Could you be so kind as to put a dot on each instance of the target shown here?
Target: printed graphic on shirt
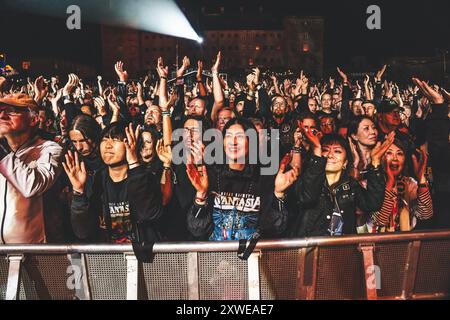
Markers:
(241, 202)
(120, 222)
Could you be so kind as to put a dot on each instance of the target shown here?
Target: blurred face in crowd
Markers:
(312, 105)
(236, 143)
(279, 107)
(240, 107)
(192, 132)
(42, 120)
(84, 146)
(326, 101)
(152, 115)
(223, 117)
(395, 159)
(369, 109)
(134, 111)
(391, 118)
(112, 150)
(336, 157)
(16, 120)
(367, 133)
(147, 147)
(336, 99)
(63, 122)
(357, 108)
(327, 125)
(405, 115)
(308, 123)
(196, 107)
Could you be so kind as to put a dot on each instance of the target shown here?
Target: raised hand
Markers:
(420, 164)
(58, 95)
(355, 153)
(298, 137)
(313, 137)
(184, 66)
(113, 105)
(380, 149)
(164, 153)
(163, 71)
(199, 179)
(215, 68)
(76, 171)
(380, 73)
(122, 74)
(131, 144)
(445, 93)
(170, 102)
(366, 80)
(285, 179)
(257, 74)
(331, 83)
(199, 70)
(432, 95)
(71, 85)
(197, 149)
(343, 75)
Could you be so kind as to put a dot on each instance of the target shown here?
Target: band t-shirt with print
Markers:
(119, 211)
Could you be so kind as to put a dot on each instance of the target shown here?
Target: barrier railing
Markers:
(387, 266)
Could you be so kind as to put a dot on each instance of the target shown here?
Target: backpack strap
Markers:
(245, 251)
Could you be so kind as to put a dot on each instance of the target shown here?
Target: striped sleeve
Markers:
(424, 210)
(381, 218)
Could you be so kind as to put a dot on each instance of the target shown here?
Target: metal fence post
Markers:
(132, 276)
(15, 263)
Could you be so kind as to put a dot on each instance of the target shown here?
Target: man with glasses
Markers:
(282, 120)
(29, 166)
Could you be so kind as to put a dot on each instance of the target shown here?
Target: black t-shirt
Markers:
(119, 215)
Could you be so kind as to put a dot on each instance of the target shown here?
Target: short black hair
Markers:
(115, 130)
(330, 139)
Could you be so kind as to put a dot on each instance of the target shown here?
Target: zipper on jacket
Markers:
(4, 211)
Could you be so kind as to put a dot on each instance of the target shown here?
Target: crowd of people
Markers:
(96, 162)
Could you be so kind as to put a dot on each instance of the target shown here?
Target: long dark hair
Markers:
(89, 129)
(153, 133)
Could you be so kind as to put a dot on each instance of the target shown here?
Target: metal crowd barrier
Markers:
(387, 266)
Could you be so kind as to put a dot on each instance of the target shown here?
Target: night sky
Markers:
(409, 28)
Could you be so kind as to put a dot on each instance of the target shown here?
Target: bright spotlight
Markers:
(200, 40)
(159, 16)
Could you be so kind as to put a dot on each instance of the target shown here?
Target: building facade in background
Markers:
(296, 43)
